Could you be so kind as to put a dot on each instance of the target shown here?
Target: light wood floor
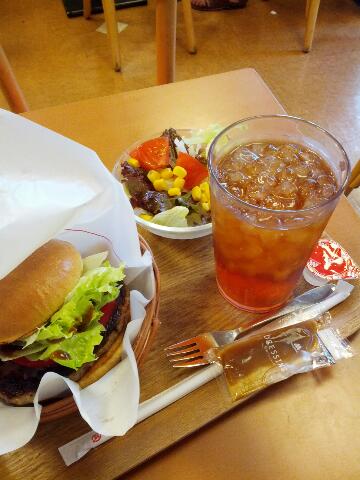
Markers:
(59, 60)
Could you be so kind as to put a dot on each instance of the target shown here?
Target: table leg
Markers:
(10, 87)
(165, 40)
(112, 31)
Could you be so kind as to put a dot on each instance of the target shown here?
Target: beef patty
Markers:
(18, 384)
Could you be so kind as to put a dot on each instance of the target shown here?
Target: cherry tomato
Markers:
(25, 362)
(107, 310)
(196, 171)
(153, 154)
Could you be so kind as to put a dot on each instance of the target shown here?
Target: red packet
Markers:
(330, 261)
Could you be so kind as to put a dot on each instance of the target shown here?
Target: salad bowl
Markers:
(171, 214)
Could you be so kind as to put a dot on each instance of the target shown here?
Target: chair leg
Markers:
(111, 25)
(10, 87)
(166, 40)
(87, 8)
(313, 9)
(307, 8)
(354, 181)
(189, 26)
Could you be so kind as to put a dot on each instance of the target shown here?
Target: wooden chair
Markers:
(10, 87)
(354, 181)
(311, 13)
(165, 34)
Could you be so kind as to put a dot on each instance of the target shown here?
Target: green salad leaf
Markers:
(175, 217)
(200, 139)
(197, 215)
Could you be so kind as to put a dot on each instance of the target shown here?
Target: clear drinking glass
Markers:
(260, 253)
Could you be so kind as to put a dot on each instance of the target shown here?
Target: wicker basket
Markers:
(65, 406)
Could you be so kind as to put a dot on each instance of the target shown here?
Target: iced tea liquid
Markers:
(262, 243)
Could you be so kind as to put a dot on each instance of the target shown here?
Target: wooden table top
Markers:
(302, 428)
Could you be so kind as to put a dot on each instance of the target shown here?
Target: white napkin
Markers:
(52, 187)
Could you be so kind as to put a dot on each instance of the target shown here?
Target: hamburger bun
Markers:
(36, 289)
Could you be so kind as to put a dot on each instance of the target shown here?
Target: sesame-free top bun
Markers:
(37, 288)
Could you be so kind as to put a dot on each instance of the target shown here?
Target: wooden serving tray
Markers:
(65, 406)
(190, 304)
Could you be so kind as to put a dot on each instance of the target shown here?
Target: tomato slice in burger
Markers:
(153, 154)
(107, 310)
(25, 362)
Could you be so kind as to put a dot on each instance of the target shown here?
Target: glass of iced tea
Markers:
(275, 181)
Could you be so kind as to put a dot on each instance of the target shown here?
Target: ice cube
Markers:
(328, 190)
(288, 174)
(307, 186)
(309, 158)
(238, 191)
(286, 189)
(257, 148)
(301, 170)
(289, 203)
(324, 179)
(289, 153)
(257, 197)
(266, 179)
(311, 200)
(239, 177)
(271, 163)
(273, 202)
(271, 148)
(243, 154)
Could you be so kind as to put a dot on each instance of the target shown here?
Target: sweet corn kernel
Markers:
(179, 171)
(205, 206)
(204, 198)
(196, 194)
(205, 188)
(166, 173)
(179, 183)
(153, 175)
(146, 216)
(174, 192)
(159, 184)
(133, 162)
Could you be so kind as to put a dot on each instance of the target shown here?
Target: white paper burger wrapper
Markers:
(52, 187)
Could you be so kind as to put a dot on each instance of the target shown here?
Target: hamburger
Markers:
(61, 314)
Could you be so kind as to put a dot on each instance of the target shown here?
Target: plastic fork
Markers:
(191, 352)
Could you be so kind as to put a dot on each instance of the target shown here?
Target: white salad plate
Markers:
(176, 233)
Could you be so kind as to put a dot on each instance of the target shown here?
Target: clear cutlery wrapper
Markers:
(261, 359)
(52, 187)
